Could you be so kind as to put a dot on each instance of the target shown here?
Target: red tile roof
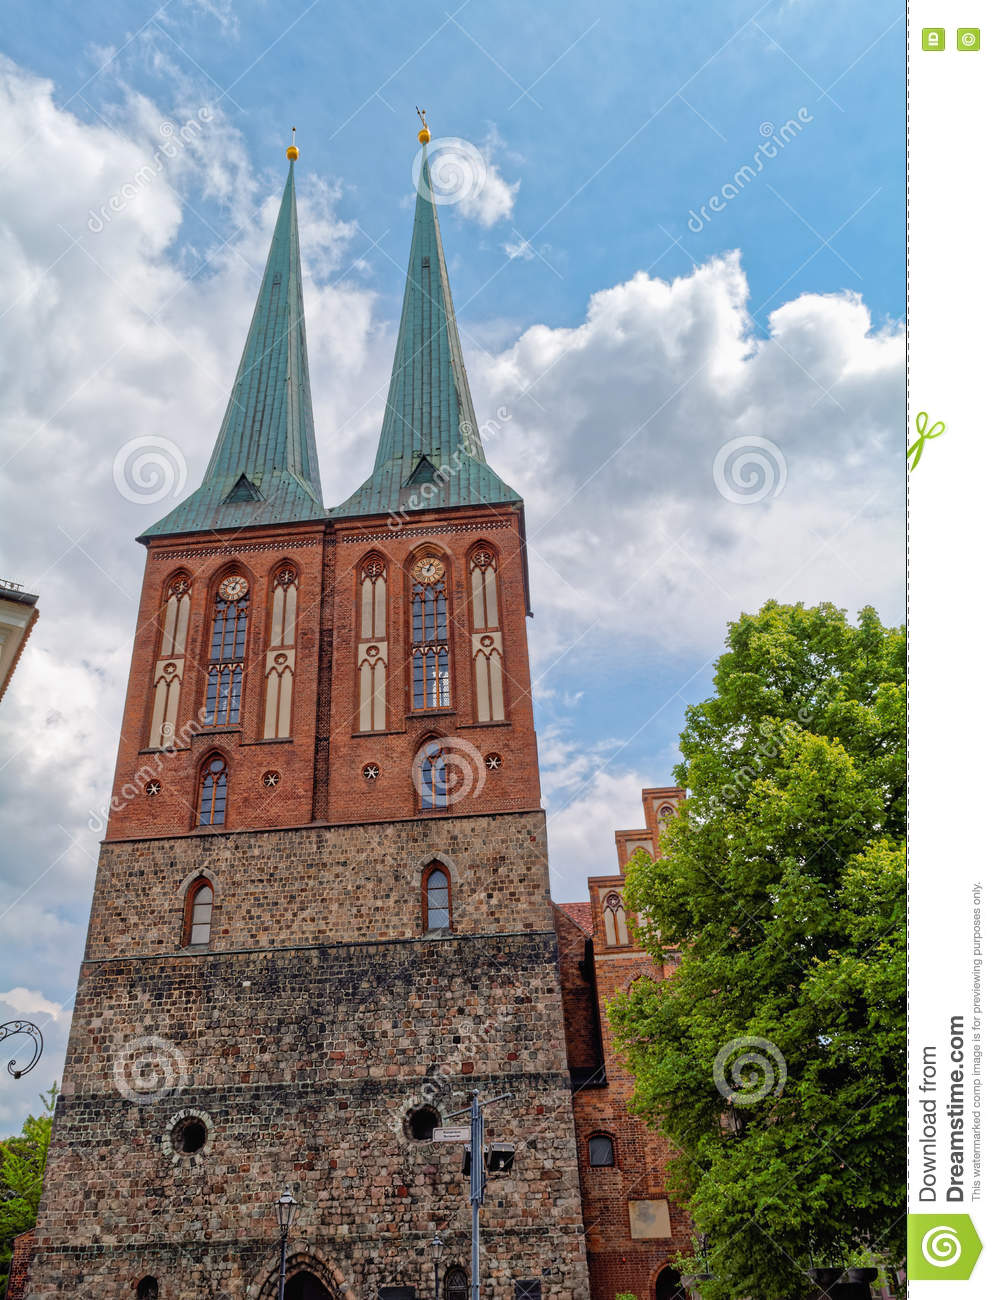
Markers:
(580, 914)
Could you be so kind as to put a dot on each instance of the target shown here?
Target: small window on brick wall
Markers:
(601, 1151)
(530, 1289)
(147, 1289)
(197, 913)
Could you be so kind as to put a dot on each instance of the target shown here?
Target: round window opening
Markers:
(189, 1136)
(421, 1122)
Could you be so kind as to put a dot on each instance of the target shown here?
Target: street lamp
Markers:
(286, 1206)
(436, 1247)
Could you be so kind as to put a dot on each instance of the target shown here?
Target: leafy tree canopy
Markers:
(774, 1056)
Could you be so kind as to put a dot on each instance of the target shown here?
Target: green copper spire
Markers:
(430, 453)
(264, 468)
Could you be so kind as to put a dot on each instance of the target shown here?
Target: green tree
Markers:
(774, 1056)
(22, 1163)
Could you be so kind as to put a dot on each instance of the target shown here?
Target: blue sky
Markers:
(633, 354)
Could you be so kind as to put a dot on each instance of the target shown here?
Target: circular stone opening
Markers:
(189, 1136)
(421, 1122)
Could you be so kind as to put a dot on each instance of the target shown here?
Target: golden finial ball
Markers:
(424, 136)
(293, 152)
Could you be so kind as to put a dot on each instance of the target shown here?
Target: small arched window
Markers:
(147, 1289)
(431, 767)
(227, 655)
(197, 917)
(455, 1286)
(437, 902)
(214, 793)
(601, 1151)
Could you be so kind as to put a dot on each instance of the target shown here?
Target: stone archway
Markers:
(308, 1278)
(305, 1286)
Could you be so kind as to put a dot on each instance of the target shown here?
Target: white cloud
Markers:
(29, 1002)
(616, 425)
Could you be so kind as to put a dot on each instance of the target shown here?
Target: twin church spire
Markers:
(264, 467)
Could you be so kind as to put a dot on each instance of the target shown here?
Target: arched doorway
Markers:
(305, 1286)
(668, 1286)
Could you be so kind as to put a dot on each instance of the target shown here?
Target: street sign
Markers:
(451, 1134)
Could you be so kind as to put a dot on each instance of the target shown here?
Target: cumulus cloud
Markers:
(681, 463)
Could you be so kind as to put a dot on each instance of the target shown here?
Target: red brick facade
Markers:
(595, 965)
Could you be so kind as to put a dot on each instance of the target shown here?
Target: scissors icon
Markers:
(935, 431)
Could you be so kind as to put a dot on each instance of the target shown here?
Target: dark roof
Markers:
(264, 468)
(430, 455)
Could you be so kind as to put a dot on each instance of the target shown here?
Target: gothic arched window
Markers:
(372, 645)
(197, 913)
(429, 635)
(486, 643)
(437, 901)
(455, 1287)
(614, 915)
(170, 661)
(430, 764)
(280, 655)
(228, 652)
(214, 793)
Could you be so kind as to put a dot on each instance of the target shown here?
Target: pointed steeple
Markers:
(264, 468)
(430, 453)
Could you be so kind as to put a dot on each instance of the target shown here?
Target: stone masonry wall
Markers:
(322, 885)
(304, 1064)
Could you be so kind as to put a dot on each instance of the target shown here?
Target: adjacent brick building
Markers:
(322, 911)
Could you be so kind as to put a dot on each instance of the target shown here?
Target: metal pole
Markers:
(435, 1266)
(477, 1181)
(283, 1263)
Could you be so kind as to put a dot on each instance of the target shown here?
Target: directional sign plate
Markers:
(451, 1134)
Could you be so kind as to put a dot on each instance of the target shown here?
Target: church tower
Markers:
(322, 912)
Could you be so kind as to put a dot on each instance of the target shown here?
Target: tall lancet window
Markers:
(213, 792)
(228, 652)
(168, 677)
(280, 655)
(614, 916)
(430, 644)
(371, 654)
(486, 647)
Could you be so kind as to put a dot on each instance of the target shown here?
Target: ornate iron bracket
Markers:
(34, 1033)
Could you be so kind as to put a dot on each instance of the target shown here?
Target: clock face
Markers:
(428, 571)
(233, 588)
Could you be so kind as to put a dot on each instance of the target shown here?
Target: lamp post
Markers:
(286, 1206)
(436, 1248)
